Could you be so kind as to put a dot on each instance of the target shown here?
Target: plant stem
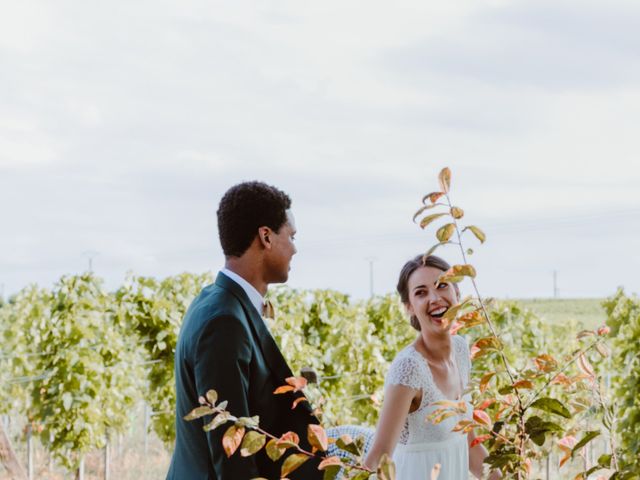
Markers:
(482, 305)
(562, 370)
(232, 418)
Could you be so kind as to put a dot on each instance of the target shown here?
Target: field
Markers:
(143, 457)
(586, 311)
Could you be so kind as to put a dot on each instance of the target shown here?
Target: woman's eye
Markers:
(443, 285)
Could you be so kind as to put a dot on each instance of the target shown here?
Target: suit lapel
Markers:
(270, 350)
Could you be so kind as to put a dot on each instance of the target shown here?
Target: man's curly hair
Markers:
(246, 207)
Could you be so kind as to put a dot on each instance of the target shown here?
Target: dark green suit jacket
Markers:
(225, 345)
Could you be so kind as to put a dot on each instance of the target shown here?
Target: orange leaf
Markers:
(604, 330)
(283, 389)
(433, 197)
(444, 177)
(486, 378)
(523, 384)
(479, 439)
(545, 363)
(288, 440)
(584, 366)
(317, 437)
(298, 383)
(561, 379)
(297, 401)
(461, 425)
(232, 439)
(482, 417)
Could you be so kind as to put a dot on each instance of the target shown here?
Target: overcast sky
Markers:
(123, 123)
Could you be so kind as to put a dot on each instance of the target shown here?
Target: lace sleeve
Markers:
(405, 370)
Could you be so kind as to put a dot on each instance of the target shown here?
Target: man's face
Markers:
(282, 250)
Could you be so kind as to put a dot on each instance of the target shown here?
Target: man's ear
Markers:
(264, 237)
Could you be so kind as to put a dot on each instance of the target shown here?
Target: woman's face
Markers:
(428, 301)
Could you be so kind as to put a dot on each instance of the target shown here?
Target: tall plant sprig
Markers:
(510, 452)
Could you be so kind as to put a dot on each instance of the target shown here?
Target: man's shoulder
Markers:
(213, 302)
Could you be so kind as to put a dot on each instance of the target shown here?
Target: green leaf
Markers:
(432, 249)
(212, 396)
(588, 436)
(551, 405)
(331, 472)
(457, 213)
(252, 422)
(218, 420)
(386, 468)
(445, 232)
(198, 412)
(292, 462)
(479, 234)
(252, 443)
(537, 428)
(347, 444)
(67, 400)
(422, 210)
(274, 451)
(430, 218)
(604, 460)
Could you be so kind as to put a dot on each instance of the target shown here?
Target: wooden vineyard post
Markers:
(8, 457)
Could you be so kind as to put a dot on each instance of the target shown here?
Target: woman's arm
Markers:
(477, 455)
(395, 408)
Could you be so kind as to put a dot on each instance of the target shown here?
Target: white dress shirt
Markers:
(254, 295)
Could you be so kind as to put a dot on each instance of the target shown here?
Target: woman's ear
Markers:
(409, 309)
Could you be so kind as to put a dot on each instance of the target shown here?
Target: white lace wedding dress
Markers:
(423, 444)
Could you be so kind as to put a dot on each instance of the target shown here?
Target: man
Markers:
(225, 345)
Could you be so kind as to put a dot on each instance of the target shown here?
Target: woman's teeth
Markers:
(438, 312)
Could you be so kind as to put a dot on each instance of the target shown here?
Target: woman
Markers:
(434, 367)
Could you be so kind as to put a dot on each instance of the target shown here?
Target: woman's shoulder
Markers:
(408, 355)
(406, 369)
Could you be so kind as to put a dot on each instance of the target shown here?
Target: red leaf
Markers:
(484, 405)
(479, 439)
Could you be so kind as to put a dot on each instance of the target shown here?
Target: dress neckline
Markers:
(431, 379)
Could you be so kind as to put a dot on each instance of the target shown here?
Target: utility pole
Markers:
(555, 284)
(90, 254)
(371, 260)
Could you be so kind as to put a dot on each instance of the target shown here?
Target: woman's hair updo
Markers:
(408, 269)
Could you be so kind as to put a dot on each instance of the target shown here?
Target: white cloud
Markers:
(123, 123)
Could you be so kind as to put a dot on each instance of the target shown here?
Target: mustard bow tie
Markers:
(267, 310)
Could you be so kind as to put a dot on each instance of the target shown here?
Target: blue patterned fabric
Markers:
(353, 431)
